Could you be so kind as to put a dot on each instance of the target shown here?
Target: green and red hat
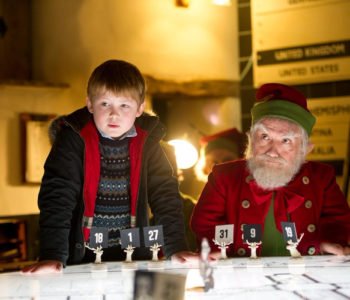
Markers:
(282, 101)
(231, 139)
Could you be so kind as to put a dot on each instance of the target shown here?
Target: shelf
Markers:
(32, 84)
(13, 244)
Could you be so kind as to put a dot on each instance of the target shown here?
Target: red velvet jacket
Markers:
(312, 200)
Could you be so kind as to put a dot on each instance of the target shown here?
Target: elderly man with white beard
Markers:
(275, 183)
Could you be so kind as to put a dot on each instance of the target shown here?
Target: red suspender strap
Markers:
(91, 172)
(135, 151)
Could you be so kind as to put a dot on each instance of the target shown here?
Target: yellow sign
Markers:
(331, 133)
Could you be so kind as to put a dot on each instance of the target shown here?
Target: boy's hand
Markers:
(44, 267)
(185, 256)
(335, 249)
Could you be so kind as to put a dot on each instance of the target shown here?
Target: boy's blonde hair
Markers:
(118, 77)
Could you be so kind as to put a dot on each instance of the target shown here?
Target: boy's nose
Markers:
(114, 112)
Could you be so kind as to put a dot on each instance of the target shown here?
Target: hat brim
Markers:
(286, 110)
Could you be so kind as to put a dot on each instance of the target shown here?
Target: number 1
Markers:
(130, 237)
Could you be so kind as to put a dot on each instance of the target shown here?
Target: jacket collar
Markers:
(285, 196)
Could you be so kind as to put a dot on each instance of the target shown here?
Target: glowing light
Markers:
(222, 2)
(186, 154)
(182, 3)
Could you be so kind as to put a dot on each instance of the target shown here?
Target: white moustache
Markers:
(264, 157)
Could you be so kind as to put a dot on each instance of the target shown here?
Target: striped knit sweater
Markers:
(112, 208)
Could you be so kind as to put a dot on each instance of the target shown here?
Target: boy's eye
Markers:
(105, 104)
(286, 141)
(125, 106)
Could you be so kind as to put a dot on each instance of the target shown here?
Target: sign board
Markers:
(99, 237)
(252, 233)
(330, 135)
(153, 235)
(130, 237)
(224, 233)
(306, 48)
(289, 232)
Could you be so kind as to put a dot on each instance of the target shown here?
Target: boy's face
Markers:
(114, 114)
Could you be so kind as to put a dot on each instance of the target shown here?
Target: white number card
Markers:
(130, 237)
(224, 233)
(153, 235)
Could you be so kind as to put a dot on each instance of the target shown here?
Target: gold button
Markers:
(311, 228)
(245, 203)
(306, 180)
(311, 250)
(241, 251)
(308, 203)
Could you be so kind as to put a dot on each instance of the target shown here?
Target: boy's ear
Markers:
(140, 109)
(89, 104)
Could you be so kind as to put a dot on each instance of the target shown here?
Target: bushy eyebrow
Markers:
(288, 135)
(260, 127)
(291, 135)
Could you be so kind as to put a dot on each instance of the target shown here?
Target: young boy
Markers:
(105, 168)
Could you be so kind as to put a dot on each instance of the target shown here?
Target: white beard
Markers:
(270, 177)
